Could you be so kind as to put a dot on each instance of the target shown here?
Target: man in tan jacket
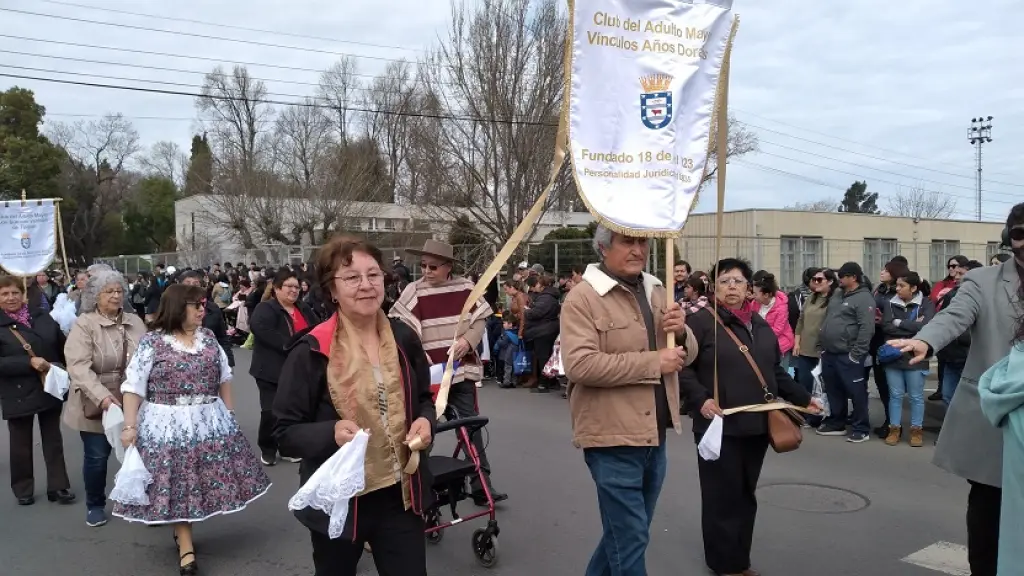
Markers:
(614, 326)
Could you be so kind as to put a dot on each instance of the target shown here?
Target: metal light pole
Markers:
(979, 133)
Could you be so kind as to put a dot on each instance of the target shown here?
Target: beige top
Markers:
(94, 352)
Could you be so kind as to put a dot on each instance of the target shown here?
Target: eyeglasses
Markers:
(198, 305)
(818, 279)
(113, 292)
(1017, 234)
(355, 280)
(431, 267)
(732, 282)
(951, 266)
(290, 286)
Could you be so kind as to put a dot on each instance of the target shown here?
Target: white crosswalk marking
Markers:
(942, 557)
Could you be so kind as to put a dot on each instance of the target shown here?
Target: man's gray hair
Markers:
(100, 279)
(602, 239)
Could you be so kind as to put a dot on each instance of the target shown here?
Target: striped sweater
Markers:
(433, 312)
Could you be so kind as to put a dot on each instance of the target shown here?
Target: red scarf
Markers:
(743, 313)
(21, 316)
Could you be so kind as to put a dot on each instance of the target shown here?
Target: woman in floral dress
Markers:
(177, 412)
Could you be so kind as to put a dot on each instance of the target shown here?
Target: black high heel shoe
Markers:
(190, 569)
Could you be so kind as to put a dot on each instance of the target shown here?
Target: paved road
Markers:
(902, 507)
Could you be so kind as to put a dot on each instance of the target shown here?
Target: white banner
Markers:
(642, 95)
(28, 237)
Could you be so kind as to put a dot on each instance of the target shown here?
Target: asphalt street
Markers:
(829, 508)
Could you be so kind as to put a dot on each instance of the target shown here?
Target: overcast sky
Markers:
(875, 90)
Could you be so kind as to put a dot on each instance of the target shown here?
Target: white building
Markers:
(197, 227)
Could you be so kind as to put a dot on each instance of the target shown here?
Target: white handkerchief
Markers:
(331, 487)
(710, 446)
(57, 383)
(132, 480)
(113, 423)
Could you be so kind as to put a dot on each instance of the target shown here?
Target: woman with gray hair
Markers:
(98, 349)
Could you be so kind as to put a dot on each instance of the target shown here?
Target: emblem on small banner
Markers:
(656, 101)
(26, 240)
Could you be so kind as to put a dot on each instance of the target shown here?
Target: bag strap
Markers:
(768, 396)
(124, 347)
(24, 343)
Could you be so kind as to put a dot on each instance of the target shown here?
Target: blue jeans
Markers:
(628, 480)
(906, 383)
(845, 380)
(950, 379)
(94, 468)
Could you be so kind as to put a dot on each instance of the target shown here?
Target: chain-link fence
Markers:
(786, 257)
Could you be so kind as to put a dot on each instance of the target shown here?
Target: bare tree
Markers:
(741, 140)
(498, 78)
(916, 202)
(246, 198)
(338, 88)
(94, 177)
(819, 205)
(388, 104)
(167, 160)
(302, 145)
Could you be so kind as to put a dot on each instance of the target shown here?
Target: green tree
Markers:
(573, 248)
(858, 200)
(28, 160)
(149, 217)
(199, 177)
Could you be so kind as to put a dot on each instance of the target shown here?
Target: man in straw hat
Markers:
(431, 306)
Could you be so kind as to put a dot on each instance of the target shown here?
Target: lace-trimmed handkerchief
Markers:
(335, 483)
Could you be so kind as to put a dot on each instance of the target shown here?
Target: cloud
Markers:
(826, 85)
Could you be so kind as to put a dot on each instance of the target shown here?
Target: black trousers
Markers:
(395, 535)
(728, 502)
(22, 476)
(542, 348)
(265, 437)
(462, 404)
(983, 505)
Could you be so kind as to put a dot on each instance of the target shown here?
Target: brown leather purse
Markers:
(784, 432)
(90, 409)
(28, 349)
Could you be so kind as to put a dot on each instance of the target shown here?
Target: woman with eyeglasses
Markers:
(739, 363)
(178, 415)
(805, 338)
(274, 324)
(99, 347)
(360, 370)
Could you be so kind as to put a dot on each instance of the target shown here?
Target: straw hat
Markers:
(436, 249)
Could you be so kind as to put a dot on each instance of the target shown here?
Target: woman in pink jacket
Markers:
(773, 305)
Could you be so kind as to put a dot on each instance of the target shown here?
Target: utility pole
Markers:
(979, 133)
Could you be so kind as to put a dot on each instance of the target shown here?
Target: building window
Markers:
(797, 253)
(877, 253)
(941, 252)
(991, 250)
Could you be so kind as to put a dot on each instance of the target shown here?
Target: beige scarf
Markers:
(353, 389)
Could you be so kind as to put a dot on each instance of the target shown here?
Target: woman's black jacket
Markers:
(737, 382)
(21, 390)
(542, 315)
(306, 416)
(273, 332)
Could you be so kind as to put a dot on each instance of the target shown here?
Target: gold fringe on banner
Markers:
(617, 228)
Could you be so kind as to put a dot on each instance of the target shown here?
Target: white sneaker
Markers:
(480, 384)
(290, 459)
